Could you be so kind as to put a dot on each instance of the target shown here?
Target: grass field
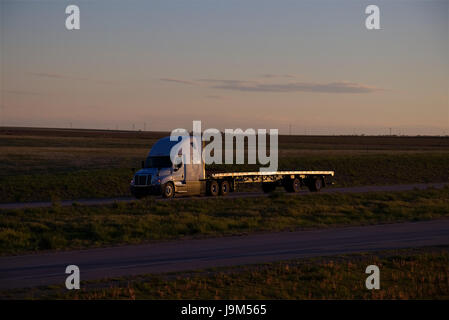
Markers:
(77, 226)
(404, 274)
(51, 164)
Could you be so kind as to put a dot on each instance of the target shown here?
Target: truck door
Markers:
(179, 177)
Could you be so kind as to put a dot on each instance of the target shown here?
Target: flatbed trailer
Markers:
(292, 181)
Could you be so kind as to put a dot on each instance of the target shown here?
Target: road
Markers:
(105, 201)
(182, 255)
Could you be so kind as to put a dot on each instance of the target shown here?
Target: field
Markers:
(52, 164)
(56, 164)
(405, 274)
(62, 228)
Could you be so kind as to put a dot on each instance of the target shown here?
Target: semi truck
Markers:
(160, 176)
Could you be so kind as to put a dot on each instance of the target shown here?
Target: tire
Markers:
(168, 190)
(224, 188)
(268, 187)
(292, 185)
(315, 185)
(296, 185)
(213, 188)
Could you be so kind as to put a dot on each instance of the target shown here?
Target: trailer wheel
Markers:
(268, 187)
(315, 185)
(224, 188)
(292, 185)
(168, 190)
(296, 185)
(214, 188)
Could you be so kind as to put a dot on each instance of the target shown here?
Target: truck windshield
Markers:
(158, 162)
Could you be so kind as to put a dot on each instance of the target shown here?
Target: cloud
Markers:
(272, 84)
(332, 87)
(69, 77)
(178, 81)
(271, 75)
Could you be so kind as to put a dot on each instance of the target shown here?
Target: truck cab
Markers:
(160, 176)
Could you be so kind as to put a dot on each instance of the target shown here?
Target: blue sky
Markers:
(259, 64)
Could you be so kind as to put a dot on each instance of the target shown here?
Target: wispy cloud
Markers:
(272, 75)
(178, 81)
(68, 77)
(332, 87)
(271, 83)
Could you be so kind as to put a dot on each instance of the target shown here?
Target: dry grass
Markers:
(404, 274)
(74, 227)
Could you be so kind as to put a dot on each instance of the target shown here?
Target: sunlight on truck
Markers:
(159, 176)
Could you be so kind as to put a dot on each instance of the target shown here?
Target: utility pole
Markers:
(144, 126)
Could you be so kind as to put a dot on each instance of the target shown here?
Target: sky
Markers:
(305, 67)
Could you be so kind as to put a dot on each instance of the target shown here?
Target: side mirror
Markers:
(143, 164)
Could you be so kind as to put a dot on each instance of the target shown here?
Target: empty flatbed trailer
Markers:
(292, 181)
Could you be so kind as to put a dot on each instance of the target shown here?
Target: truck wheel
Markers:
(214, 188)
(315, 185)
(268, 187)
(293, 185)
(168, 190)
(296, 185)
(224, 188)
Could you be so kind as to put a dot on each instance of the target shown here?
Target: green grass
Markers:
(77, 226)
(404, 274)
(351, 170)
(95, 183)
(38, 164)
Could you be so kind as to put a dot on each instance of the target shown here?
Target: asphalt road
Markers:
(183, 255)
(104, 201)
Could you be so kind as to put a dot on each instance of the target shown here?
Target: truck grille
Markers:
(141, 180)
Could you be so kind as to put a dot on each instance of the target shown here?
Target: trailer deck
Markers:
(272, 173)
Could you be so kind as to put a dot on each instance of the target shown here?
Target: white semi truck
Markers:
(159, 176)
